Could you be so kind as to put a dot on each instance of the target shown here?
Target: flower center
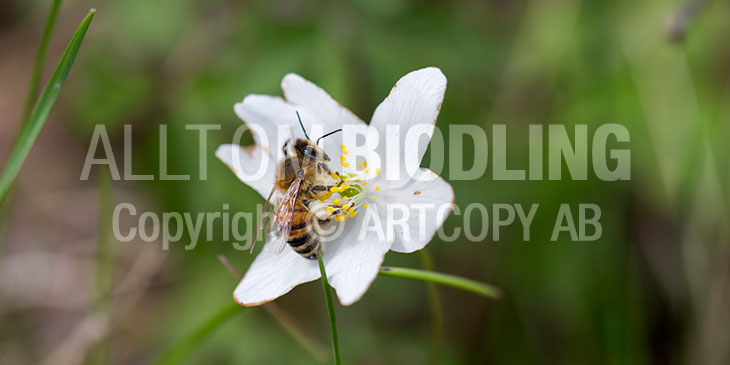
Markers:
(350, 192)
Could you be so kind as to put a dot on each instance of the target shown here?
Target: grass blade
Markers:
(33, 86)
(39, 114)
(177, 353)
(40, 59)
(469, 285)
(105, 259)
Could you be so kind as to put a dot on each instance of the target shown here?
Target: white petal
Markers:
(412, 105)
(353, 262)
(428, 202)
(303, 93)
(272, 275)
(252, 165)
(272, 121)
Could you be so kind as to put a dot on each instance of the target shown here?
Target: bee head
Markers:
(308, 149)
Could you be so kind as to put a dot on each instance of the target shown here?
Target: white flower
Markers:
(352, 259)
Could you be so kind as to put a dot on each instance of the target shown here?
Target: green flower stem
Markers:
(469, 285)
(330, 310)
(40, 59)
(437, 318)
(39, 114)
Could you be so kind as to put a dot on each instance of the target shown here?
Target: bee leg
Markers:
(324, 169)
(328, 187)
(319, 189)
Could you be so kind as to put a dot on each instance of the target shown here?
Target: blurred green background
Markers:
(654, 289)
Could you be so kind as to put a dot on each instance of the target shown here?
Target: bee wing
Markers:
(284, 214)
(277, 244)
(265, 217)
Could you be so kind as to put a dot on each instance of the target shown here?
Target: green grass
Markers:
(40, 60)
(178, 352)
(39, 114)
(456, 282)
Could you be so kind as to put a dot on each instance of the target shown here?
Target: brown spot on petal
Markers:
(249, 149)
(417, 192)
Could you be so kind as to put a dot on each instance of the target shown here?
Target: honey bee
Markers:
(297, 196)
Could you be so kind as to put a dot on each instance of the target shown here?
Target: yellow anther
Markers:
(342, 146)
(344, 187)
(377, 188)
(345, 164)
(330, 210)
(367, 171)
(344, 197)
(335, 189)
(359, 165)
(365, 164)
(352, 213)
(366, 205)
(334, 176)
(345, 152)
(364, 183)
(373, 197)
(346, 206)
(377, 171)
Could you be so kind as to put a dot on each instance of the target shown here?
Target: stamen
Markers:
(351, 189)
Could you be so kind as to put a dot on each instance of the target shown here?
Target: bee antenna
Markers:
(302, 125)
(330, 133)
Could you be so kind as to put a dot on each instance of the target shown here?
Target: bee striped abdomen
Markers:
(303, 237)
